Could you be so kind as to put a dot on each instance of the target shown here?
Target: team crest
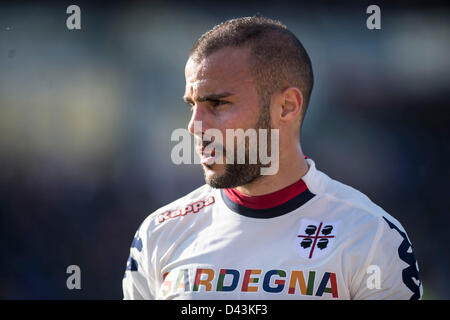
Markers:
(315, 238)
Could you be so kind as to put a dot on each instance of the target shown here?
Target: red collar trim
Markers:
(268, 200)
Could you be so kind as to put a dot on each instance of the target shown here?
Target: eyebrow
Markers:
(209, 97)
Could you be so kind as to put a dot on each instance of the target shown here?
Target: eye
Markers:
(216, 103)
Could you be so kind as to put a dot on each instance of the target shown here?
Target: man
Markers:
(295, 234)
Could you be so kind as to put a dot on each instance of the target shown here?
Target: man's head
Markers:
(233, 73)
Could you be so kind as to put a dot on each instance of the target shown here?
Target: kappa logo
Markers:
(189, 209)
(315, 238)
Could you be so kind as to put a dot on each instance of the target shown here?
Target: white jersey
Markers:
(329, 242)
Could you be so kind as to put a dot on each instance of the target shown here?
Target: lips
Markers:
(207, 156)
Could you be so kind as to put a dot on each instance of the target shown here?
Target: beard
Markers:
(236, 174)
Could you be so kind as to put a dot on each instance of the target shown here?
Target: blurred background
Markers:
(86, 118)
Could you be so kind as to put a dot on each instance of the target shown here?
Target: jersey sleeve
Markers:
(136, 283)
(391, 271)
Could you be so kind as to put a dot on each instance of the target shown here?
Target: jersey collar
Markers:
(269, 205)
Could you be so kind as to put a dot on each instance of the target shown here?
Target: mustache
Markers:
(203, 142)
(209, 147)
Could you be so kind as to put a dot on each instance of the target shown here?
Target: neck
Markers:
(292, 168)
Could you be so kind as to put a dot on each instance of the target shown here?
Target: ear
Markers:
(291, 104)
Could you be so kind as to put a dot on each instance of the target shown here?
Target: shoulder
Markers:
(339, 193)
(171, 218)
(189, 204)
(354, 205)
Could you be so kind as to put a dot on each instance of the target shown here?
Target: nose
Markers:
(198, 123)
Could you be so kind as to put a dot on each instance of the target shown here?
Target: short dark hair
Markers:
(278, 59)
